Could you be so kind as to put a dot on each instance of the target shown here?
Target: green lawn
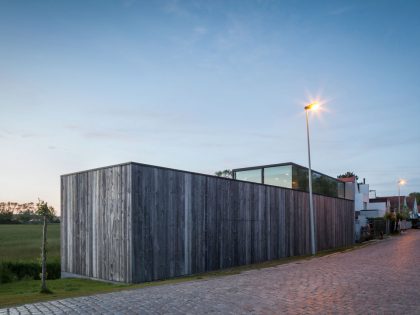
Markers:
(23, 242)
(27, 291)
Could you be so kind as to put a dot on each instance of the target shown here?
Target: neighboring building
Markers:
(390, 203)
(293, 176)
(362, 211)
(372, 194)
(378, 208)
(395, 203)
(359, 192)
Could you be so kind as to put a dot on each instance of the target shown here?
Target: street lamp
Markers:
(400, 183)
(312, 106)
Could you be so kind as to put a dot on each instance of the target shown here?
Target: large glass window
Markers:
(278, 176)
(295, 177)
(324, 185)
(340, 189)
(321, 184)
(300, 178)
(254, 176)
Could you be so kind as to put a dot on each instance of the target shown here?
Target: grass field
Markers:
(27, 291)
(23, 242)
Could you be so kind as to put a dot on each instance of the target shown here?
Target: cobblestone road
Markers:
(381, 278)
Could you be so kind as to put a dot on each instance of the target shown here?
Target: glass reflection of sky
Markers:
(295, 177)
(278, 176)
(254, 176)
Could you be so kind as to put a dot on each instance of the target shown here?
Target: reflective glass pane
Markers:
(340, 189)
(321, 184)
(250, 176)
(278, 176)
(300, 178)
(324, 185)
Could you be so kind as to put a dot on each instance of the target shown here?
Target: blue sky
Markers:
(207, 85)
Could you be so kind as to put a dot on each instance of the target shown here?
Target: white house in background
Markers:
(367, 205)
(359, 192)
(391, 203)
(377, 209)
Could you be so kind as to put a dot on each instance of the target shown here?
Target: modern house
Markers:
(134, 222)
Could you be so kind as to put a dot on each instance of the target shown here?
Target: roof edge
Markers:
(97, 169)
(194, 173)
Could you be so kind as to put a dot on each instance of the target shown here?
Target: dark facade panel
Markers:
(137, 223)
(96, 224)
(190, 223)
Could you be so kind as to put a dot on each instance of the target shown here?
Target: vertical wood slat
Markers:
(137, 223)
(96, 219)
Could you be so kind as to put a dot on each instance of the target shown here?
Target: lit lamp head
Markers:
(312, 106)
(402, 182)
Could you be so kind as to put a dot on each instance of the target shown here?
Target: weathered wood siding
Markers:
(136, 223)
(185, 223)
(96, 223)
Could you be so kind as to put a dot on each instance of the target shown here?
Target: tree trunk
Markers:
(44, 257)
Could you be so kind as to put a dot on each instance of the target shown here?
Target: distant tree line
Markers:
(7, 216)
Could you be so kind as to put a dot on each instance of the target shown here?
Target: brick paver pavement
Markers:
(382, 278)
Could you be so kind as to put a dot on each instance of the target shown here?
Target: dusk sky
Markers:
(205, 86)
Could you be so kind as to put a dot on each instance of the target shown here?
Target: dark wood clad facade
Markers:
(136, 223)
(96, 223)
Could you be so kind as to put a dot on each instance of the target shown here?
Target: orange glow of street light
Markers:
(312, 106)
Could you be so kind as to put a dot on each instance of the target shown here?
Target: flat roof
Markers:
(195, 173)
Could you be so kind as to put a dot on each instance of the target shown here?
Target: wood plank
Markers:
(136, 223)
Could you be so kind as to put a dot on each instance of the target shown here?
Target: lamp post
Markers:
(312, 106)
(400, 183)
